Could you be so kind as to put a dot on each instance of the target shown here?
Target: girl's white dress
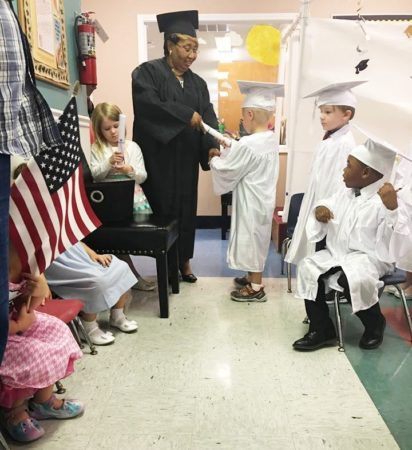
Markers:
(74, 275)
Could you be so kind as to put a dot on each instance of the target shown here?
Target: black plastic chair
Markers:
(395, 279)
(294, 208)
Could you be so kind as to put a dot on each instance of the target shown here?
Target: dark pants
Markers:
(318, 310)
(4, 250)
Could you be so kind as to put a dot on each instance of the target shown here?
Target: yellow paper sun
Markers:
(263, 44)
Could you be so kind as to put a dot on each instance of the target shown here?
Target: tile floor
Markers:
(220, 374)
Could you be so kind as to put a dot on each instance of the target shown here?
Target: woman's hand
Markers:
(117, 158)
(323, 214)
(213, 152)
(196, 122)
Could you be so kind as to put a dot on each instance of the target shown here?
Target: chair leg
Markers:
(73, 329)
(283, 251)
(80, 326)
(59, 387)
(405, 307)
(224, 222)
(341, 347)
(173, 260)
(289, 273)
(162, 284)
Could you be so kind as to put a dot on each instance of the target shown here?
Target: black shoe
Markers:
(314, 340)
(373, 338)
(241, 281)
(189, 278)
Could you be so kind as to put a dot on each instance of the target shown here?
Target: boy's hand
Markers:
(323, 214)
(388, 196)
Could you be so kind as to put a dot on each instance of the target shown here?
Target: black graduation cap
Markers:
(362, 65)
(183, 22)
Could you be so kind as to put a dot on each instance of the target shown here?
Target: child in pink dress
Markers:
(40, 351)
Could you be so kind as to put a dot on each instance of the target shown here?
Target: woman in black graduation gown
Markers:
(169, 102)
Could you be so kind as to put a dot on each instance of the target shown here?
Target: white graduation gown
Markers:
(400, 245)
(325, 179)
(250, 169)
(351, 244)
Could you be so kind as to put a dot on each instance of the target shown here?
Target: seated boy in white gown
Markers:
(250, 169)
(351, 220)
(400, 246)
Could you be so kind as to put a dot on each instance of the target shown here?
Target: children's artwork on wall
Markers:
(43, 23)
(263, 44)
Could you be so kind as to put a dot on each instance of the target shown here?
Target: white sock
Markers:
(256, 287)
(117, 314)
(89, 326)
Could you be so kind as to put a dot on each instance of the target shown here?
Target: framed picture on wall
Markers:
(43, 23)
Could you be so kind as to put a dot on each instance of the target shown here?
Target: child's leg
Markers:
(118, 318)
(20, 426)
(45, 405)
(255, 278)
(96, 334)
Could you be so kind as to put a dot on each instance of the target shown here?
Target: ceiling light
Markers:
(224, 94)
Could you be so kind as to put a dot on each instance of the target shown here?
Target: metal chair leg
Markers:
(405, 307)
(60, 389)
(341, 347)
(289, 274)
(80, 326)
(73, 329)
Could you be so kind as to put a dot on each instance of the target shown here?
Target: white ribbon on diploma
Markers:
(217, 135)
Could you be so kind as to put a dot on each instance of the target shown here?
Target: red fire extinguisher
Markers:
(86, 48)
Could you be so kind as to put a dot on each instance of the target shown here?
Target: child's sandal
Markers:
(68, 410)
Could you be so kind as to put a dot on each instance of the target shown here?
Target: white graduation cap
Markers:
(260, 95)
(336, 94)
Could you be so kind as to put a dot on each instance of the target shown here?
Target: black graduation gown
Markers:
(172, 150)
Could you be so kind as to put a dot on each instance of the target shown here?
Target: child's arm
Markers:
(103, 260)
(101, 163)
(36, 289)
(23, 322)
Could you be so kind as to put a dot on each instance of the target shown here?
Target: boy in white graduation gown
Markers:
(351, 220)
(336, 103)
(400, 245)
(250, 170)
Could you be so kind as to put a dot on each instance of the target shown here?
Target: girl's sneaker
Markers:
(28, 430)
(68, 410)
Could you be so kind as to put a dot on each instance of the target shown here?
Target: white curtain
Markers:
(384, 103)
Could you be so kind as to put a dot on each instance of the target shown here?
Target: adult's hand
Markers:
(196, 122)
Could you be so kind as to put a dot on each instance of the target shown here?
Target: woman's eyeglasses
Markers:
(188, 49)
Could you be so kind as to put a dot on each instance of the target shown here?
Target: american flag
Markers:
(49, 209)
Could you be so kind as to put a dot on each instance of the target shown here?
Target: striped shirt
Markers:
(26, 122)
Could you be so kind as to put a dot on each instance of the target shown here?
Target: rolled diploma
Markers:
(216, 134)
(122, 132)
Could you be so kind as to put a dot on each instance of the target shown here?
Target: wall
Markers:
(119, 55)
(57, 97)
